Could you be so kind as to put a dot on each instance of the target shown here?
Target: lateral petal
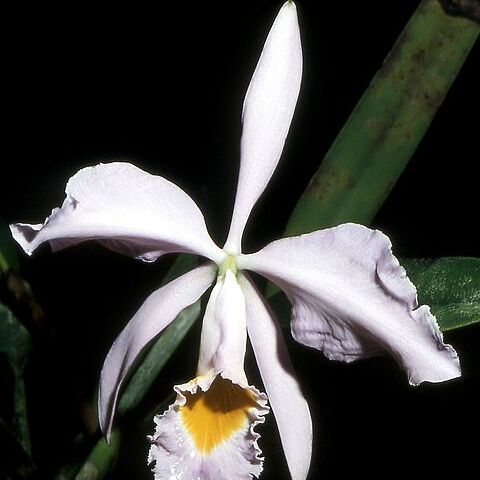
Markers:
(267, 113)
(286, 399)
(128, 210)
(208, 432)
(351, 298)
(156, 313)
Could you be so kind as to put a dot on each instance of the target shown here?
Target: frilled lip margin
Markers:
(209, 431)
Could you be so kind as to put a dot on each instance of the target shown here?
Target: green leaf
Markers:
(8, 255)
(450, 285)
(163, 348)
(386, 126)
(15, 341)
(16, 344)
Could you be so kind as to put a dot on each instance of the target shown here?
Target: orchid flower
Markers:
(350, 297)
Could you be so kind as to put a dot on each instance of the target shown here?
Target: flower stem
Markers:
(20, 416)
(101, 458)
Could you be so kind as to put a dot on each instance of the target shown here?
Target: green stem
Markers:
(101, 458)
(20, 415)
(3, 264)
(8, 255)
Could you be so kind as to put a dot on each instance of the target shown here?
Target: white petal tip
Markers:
(440, 361)
(102, 421)
(449, 370)
(106, 429)
(24, 234)
(289, 8)
(289, 4)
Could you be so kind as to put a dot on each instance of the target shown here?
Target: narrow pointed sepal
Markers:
(267, 114)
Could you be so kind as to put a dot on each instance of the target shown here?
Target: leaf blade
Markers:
(385, 128)
(450, 285)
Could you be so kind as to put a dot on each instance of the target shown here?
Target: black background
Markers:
(162, 87)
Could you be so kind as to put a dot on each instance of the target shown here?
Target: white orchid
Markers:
(350, 297)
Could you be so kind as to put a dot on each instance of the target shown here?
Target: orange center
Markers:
(213, 416)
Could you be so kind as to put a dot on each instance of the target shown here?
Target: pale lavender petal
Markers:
(285, 397)
(156, 313)
(176, 455)
(351, 298)
(267, 113)
(126, 209)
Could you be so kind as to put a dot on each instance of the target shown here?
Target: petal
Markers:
(126, 209)
(286, 399)
(351, 298)
(156, 313)
(208, 432)
(224, 331)
(267, 113)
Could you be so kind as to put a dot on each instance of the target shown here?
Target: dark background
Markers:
(162, 87)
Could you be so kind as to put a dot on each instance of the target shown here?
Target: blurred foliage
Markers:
(8, 255)
(15, 341)
(16, 344)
